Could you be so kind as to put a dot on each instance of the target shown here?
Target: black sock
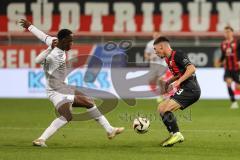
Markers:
(170, 122)
(231, 94)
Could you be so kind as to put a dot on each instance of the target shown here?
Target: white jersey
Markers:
(55, 69)
(53, 61)
(153, 56)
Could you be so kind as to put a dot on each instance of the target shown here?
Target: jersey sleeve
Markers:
(41, 35)
(238, 50)
(42, 56)
(222, 54)
(182, 60)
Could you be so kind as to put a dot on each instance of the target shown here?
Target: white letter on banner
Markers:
(21, 62)
(15, 12)
(124, 14)
(199, 15)
(11, 58)
(228, 15)
(1, 58)
(97, 10)
(42, 14)
(70, 16)
(33, 55)
(171, 16)
(147, 9)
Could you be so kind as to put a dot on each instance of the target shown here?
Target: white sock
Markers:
(97, 115)
(54, 126)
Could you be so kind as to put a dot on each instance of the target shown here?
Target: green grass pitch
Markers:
(211, 130)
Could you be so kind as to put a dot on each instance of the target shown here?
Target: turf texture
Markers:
(210, 128)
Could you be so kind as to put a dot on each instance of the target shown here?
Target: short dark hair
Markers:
(160, 39)
(228, 27)
(63, 33)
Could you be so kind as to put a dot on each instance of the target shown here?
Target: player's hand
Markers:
(176, 84)
(25, 23)
(162, 86)
(54, 43)
(169, 87)
(165, 86)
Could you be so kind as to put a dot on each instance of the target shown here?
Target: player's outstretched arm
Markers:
(42, 56)
(38, 33)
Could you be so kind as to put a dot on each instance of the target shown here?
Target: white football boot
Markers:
(39, 143)
(115, 132)
(234, 105)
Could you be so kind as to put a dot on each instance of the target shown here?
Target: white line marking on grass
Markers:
(127, 130)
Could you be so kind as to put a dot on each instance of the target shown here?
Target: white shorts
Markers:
(59, 99)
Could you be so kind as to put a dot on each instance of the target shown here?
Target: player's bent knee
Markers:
(228, 82)
(64, 111)
(169, 107)
(89, 102)
(166, 109)
(83, 101)
(161, 109)
(68, 117)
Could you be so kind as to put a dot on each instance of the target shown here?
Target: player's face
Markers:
(67, 42)
(228, 34)
(160, 49)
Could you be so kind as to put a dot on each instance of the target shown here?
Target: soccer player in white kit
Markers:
(53, 60)
(155, 61)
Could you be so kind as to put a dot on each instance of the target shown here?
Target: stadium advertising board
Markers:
(30, 83)
(22, 56)
(122, 16)
(21, 77)
(17, 56)
(199, 56)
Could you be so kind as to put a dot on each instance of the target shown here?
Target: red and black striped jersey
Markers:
(231, 54)
(177, 63)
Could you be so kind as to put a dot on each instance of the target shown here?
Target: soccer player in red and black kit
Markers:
(184, 79)
(230, 48)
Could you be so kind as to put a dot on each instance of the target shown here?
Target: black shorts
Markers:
(187, 94)
(235, 75)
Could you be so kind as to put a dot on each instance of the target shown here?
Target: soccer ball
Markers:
(141, 125)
